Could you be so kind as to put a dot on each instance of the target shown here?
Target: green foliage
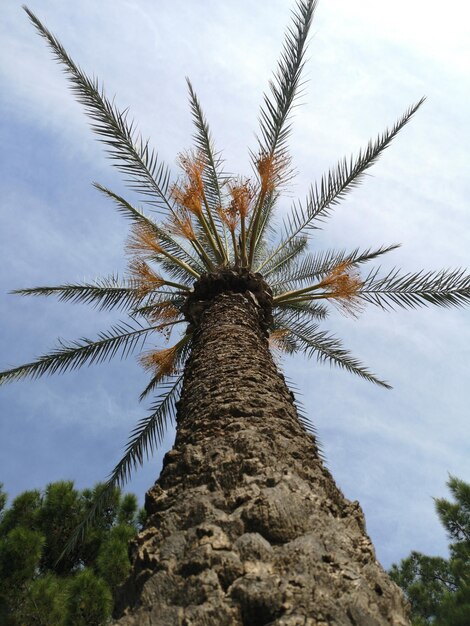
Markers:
(44, 602)
(38, 587)
(3, 500)
(113, 561)
(59, 513)
(127, 509)
(23, 511)
(455, 608)
(89, 600)
(425, 580)
(438, 589)
(455, 516)
(20, 554)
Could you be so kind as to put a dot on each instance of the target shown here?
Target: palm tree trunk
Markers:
(246, 526)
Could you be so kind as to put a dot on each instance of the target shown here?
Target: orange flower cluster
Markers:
(147, 280)
(242, 195)
(343, 284)
(271, 169)
(160, 362)
(164, 312)
(190, 193)
(181, 224)
(143, 241)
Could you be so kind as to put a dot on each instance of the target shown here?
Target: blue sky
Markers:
(368, 61)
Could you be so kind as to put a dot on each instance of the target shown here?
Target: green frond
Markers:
(356, 257)
(105, 293)
(175, 248)
(314, 266)
(284, 260)
(310, 266)
(175, 270)
(213, 176)
(149, 432)
(207, 243)
(265, 228)
(121, 340)
(335, 185)
(104, 499)
(293, 311)
(128, 210)
(328, 348)
(130, 153)
(441, 288)
(274, 115)
(190, 196)
(348, 174)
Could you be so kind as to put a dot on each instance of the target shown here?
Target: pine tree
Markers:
(438, 589)
(38, 587)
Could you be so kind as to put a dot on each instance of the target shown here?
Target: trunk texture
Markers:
(246, 526)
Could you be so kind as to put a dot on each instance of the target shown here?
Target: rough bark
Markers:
(246, 526)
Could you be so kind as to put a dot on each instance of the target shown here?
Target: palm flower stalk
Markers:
(203, 233)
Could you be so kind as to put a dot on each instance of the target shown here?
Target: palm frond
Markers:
(144, 244)
(314, 266)
(214, 178)
(145, 437)
(122, 339)
(335, 185)
(328, 348)
(272, 161)
(441, 288)
(283, 261)
(149, 432)
(286, 312)
(147, 282)
(105, 498)
(274, 115)
(105, 293)
(309, 267)
(127, 209)
(130, 153)
(265, 229)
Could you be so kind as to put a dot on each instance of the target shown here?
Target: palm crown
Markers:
(213, 232)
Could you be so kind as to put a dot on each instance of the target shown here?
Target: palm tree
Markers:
(246, 525)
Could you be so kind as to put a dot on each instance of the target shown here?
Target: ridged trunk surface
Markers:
(246, 526)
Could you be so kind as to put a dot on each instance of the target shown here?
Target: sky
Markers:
(367, 62)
